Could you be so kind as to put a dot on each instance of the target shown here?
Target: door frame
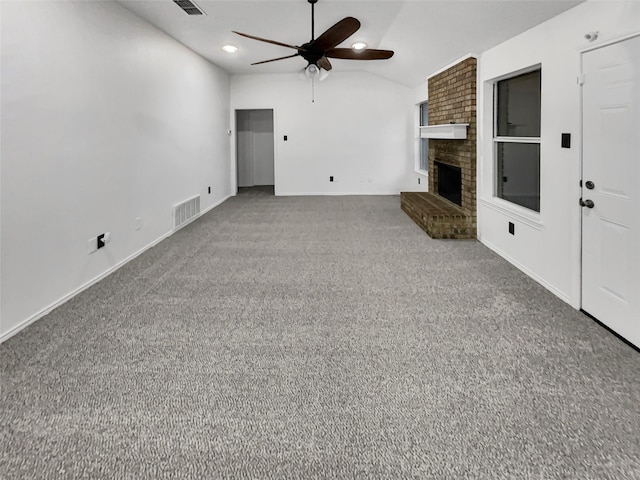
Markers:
(234, 146)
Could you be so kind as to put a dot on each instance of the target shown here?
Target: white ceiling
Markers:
(426, 35)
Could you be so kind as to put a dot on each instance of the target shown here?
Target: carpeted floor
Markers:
(302, 338)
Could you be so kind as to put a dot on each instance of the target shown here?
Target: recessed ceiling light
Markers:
(230, 48)
(359, 46)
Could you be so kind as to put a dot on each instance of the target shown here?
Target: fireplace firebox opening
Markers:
(450, 182)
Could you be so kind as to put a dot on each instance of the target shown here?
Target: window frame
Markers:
(420, 141)
(496, 140)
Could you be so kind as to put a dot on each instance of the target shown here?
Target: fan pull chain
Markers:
(313, 90)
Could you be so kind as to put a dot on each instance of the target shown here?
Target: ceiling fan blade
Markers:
(368, 54)
(269, 41)
(324, 63)
(337, 34)
(276, 59)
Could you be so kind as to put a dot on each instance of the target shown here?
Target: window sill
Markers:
(512, 210)
(421, 172)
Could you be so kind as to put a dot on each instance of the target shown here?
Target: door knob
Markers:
(587, 203)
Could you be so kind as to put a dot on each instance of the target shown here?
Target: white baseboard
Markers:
(218, 203)
(332, 194)
(558, 293)
(48, 309)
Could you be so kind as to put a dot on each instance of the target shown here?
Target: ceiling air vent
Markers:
(189, 7)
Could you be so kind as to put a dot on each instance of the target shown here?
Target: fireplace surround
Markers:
(448, 209)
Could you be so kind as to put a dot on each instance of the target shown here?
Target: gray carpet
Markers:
(281, 337)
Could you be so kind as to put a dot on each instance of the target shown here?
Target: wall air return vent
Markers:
(189, 7)
(186, 211)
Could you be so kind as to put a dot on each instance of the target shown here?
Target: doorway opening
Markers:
(255, 151)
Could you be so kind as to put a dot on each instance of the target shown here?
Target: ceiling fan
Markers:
(318, 51)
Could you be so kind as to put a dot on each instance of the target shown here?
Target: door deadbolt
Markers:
(587, 203)
(590, 185)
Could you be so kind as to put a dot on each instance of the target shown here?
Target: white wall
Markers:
(546, 246)
(104, 119)
(359, 130)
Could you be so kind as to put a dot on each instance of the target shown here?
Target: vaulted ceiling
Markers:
(425, 34)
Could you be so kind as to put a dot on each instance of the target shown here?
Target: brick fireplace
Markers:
(449, 211)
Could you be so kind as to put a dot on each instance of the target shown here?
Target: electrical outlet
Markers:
(101, 242)
(512, 228)
(331, 178)
(209, 191)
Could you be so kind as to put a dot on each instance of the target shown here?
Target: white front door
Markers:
(611, 187)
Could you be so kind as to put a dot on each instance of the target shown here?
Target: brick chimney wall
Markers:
(452, 98)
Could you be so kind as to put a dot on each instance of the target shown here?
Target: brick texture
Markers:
(438, 217)
(452, 98)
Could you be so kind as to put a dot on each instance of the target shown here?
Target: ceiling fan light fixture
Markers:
(312, 71)
(318, 51)
(230, 48)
